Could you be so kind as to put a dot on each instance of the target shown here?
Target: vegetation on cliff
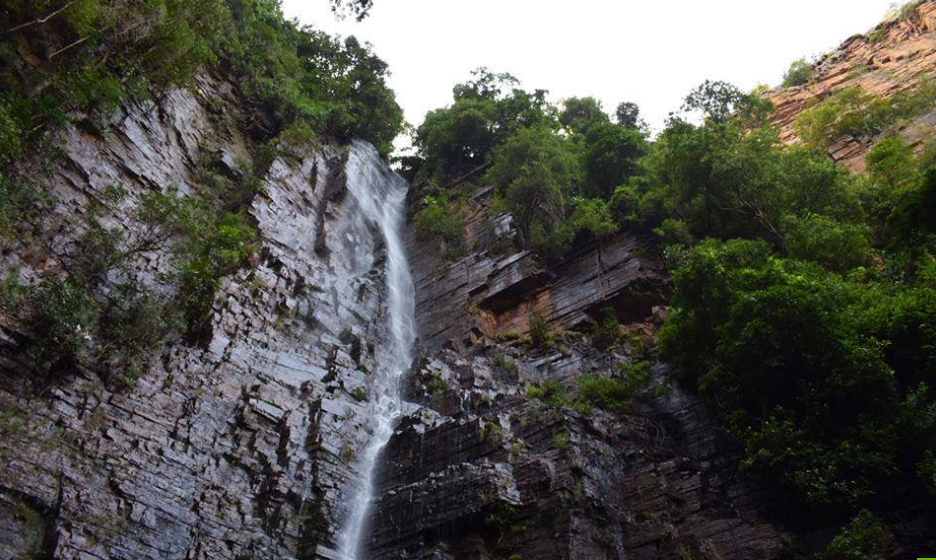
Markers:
(805, 296)
(74, 62)
(554, 167)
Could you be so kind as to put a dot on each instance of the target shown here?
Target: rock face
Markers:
(241, 449)
(495, 289)
(481, 470)
(244, 447)
(893, 57)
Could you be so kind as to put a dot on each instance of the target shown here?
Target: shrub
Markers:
(615, 394)
(539, 331)
(594, 217)
(800, 72)
(865, 538)
(549, 391)
(853, 112)
(606, 394)
(440, 219)
(133, 324)
(606, 332)
(208, 246)
(491, 432)
(63, 316)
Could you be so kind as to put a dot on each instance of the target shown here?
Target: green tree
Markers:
(610, 157)
(537, 170)
(579, 114)
(627, 115)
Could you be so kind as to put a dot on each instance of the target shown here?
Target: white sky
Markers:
(649, 52)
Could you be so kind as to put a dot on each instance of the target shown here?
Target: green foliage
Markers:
(725, 180)
(794, 359)
(563, 440)
(627, 115)
(926, 470)
(299, 74)
(799, 73)
(721, 102)
(610, 157)
(616, 394)
(865, 538)
(210, 244)
(606, 332)
(536, 169)
(833, 244)
(580, 114)
(539, 331)
(92, 54)
(442, 219)
(133, 324)
(78, 60)
(853, 112)
(63, 316)
(359, 394)
(594, 217)
(548, 391)
(491, 432)
(487, 110)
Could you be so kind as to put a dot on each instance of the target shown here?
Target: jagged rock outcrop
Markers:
(240, 449)
(495, 289)
(893, 57)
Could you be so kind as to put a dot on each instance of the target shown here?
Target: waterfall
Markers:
(381, 196)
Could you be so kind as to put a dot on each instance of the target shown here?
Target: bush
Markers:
(539, 331)
(550, 392)
(606, 332)
(63, 317)
(208, 246)
(133, 325)
(799, 73)
(594, 217)
(618, 394)
(853, 112)
(865, 538)
(440, 219)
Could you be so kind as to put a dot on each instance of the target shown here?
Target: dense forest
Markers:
(804, 295)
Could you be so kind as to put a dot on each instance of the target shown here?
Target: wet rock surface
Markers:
(235, 450)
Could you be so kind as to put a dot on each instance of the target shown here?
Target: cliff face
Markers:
(245, 446)
(893, 57)
(483, 470)
(241, 449)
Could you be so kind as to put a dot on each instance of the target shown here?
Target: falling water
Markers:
(381, 195)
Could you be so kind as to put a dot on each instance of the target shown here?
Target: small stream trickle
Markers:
(381, 196)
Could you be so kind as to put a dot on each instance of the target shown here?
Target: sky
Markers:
(650, 52)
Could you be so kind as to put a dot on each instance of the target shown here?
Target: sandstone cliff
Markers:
(892, 57)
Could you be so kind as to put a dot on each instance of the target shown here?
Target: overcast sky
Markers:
(651, 52)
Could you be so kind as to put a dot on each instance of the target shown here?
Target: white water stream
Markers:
(381, 196)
